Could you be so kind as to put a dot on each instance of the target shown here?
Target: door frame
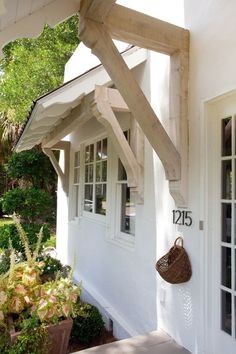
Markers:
(214, 108)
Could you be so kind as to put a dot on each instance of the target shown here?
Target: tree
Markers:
(30, 68)
(31, 168)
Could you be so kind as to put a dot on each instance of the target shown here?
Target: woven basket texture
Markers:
(174, 267)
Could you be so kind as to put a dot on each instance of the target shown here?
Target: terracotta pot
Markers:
(58, 334)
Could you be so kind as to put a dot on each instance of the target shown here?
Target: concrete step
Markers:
(157, 342)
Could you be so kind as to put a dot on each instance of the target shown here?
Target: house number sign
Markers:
(182, 217)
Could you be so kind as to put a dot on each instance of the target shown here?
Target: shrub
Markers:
(9, 232)
(25, 166)
(30, 203)
(88, 325)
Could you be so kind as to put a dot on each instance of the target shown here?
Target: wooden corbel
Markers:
(136, 28)
(62, 174)
(106, 101)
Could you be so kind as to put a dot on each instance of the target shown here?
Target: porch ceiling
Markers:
(26, 18)
(52, 114)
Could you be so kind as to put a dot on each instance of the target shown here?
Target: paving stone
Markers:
(157, 342)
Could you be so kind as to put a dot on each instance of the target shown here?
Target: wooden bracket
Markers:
(62, 174)
(136, 28)
(106, 101)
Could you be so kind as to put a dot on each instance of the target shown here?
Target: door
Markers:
(221, 232)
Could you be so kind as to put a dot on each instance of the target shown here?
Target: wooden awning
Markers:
(102, 20)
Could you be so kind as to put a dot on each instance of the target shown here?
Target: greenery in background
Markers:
(32, 167)
(31, 204)
(30, 68)
(9, 232)
(88, 325)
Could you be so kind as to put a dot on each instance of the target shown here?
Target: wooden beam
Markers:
(178, 107)
(95, 36)
(77, 117)
(55, 164)
(102, 110)
(63, 175)
(98, 9)
(139, 29)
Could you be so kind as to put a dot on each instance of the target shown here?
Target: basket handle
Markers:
(181, 241)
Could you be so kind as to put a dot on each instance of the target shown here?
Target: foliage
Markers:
(88, 325)
(51, 265)
(5, 221)
(51, 242)
(4, 262)
(32, 166)
(32, 67)
(30, 204)
(21, 290)
(31, 341)
(9, 232)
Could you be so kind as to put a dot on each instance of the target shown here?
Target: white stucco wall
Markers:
(123, 282)
(212, 73)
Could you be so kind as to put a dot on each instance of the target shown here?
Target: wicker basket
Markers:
(174, 266)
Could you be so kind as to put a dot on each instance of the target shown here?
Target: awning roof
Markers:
(26, 18)
(51, 109)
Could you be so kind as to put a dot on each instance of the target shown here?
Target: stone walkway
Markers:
(157, 342)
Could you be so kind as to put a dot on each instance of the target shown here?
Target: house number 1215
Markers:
(182, 217)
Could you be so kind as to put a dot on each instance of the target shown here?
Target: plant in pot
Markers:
(35, 316)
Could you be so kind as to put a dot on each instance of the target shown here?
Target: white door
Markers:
(221, 232)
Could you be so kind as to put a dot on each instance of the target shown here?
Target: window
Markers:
(95, 186)
(76, 182)
(228, 229)
(125, 203)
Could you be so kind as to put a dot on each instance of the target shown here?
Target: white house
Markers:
(129, 185)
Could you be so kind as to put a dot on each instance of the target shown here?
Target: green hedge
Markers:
(88, 325)
(9, 231)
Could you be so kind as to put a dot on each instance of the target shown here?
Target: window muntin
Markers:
(95, 186)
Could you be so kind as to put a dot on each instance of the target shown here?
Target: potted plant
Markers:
(33, 312)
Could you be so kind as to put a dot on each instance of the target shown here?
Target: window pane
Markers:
(235, 276)
(91, 156)
(226, 312)
(104, 171)
(88, 197)
(122, 176)
(88, 173)
(226, 266)
(227, 136)
(98, 171)
(99, 151)
(76, 188)
(87, 153)
(100, 199)
(104, 149)
(226, 223)
(77, 159)
(226, 179)
(234, 224)
(127, 211)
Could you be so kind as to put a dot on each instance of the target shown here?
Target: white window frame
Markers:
(114, 233)
(76, 185)
(92, 215)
